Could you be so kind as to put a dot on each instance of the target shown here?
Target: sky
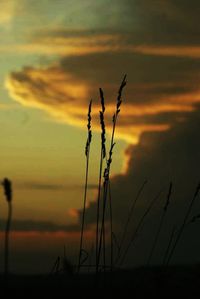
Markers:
(54, 56)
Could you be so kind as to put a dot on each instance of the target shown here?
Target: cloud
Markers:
(78, 43)
(130, 24)
(159, 158)
(156, 85)
(165, 22)
(127, 26)
(167, 28)
(169, 50)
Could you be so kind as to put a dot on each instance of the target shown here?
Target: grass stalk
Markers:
(169, 245)
(111, 228)
(139, 226)
(160, 224)
(181, 230)
(130, 215)
(107, 169)
(7, 185)
(102, 156)
(87, 153)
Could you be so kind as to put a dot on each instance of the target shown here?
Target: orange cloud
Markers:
(169, 50)
(103, 44)
(78, 43)
(44, 88)
(64, 42)
(66, 97)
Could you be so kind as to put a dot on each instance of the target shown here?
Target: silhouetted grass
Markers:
(102, 157)
(139, 226)
(107, 170)
(64, 268)
(56, 266)
(7, 185)
(111, 227)
(130, 215)
(181, 230)
(169, 245)
(87, 154)
(160, 224)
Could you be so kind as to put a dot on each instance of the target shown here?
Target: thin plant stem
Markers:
(102, 233)
(102, 156)
(130, 215)
(156, 238)
(7, 185)
(90, 258)
(109, 161)
(87, 153)
(55, 266)
(160, 224)
(139, 226)
(7, 234)
(169, 245)
(111, 228)
(104, 249)
(84, 209)
(98, 208)
(116, 243)
(181, 230)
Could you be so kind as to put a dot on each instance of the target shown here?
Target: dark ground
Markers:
(176, 281)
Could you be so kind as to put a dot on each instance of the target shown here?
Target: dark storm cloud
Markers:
(168, 22)
(160, 158)
(173, 22)
(141, 67)
(161, 118)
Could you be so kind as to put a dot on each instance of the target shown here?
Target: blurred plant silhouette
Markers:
(7, 185)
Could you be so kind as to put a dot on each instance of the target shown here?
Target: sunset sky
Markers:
(54, 56)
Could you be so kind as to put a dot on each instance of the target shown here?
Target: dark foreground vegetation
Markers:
(107, 275)
(180, 281)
